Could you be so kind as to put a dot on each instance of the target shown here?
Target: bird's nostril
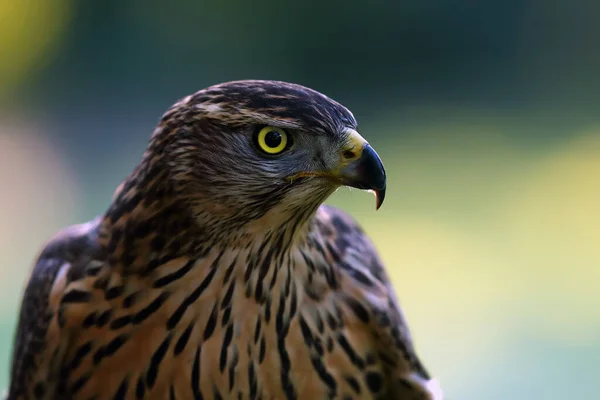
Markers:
(349, 154)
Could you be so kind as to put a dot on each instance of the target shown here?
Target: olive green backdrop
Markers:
(486, 114)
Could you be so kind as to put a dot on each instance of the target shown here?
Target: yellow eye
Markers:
(272, 140)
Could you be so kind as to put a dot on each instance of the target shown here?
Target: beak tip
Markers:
(379, 197)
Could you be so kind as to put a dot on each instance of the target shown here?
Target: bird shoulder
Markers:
(41, 339)
(364, 286)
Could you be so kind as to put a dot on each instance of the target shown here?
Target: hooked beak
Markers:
(359, 167)
(362, 167)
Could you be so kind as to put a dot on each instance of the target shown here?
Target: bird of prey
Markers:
(217, 273)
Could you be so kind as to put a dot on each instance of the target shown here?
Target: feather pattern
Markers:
(211, 276)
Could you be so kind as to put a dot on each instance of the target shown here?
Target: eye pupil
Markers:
(273, 139)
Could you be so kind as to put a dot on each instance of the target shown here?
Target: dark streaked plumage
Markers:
(217, 273)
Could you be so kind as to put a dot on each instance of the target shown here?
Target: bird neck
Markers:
(155, 237)
(150, 222)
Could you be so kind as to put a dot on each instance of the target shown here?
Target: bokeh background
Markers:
(486, 114)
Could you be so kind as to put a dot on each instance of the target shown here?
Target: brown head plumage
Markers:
(205, 151)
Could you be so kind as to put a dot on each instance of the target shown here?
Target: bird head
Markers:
(240, 151)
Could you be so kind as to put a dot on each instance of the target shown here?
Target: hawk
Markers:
(217, 273)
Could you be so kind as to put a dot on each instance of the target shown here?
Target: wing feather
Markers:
(40, 342)
(370, 286)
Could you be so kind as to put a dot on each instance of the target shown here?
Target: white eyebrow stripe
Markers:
(209, 108)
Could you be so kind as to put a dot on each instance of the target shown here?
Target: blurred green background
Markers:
(486, 114)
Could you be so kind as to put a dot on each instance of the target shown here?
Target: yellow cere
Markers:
(275, 147)
(354, 144)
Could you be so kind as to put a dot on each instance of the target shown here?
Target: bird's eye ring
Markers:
(272, 140)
